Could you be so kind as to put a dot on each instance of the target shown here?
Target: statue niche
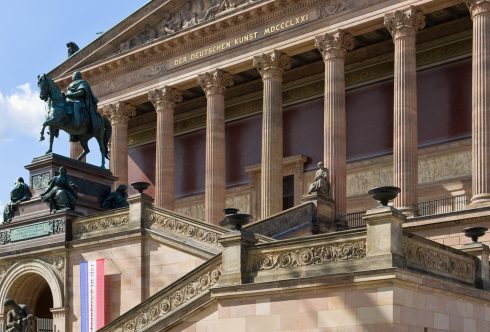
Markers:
(19, 317)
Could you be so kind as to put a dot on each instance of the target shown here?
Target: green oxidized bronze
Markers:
(61, 192)
(74, 111)
(19, 193)
(117, 199)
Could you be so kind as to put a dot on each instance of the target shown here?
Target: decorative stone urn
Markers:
(475, 232)
(140, 186)
(234, 220)
(384, 194)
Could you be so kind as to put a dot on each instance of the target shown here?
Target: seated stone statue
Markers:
(19, 193)
(61, 193)
(19, 317)
(116, 199)
(321, 186)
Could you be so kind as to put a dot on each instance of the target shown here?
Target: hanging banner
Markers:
(92, 315)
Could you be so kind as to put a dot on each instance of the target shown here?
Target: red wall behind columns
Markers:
(444, 113)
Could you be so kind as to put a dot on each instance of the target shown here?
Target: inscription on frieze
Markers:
(32, 231)
(40, 181)
(248, 37)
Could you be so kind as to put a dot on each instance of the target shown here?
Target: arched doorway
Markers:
(35, 284)
(33, 290)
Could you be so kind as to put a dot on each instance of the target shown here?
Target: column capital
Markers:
(119, 112)
(164, 98)
(404, 23)
(335, 44)
(215, 81)
(477, 7)
(272, 64)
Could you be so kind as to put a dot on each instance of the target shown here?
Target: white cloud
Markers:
(21, 113)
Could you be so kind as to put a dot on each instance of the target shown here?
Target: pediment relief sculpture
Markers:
(191, 13)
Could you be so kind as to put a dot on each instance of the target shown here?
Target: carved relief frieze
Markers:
(432, 168)
(82, 226)
(325, 254)
(181, 227)
(173, 300)
(438, 260)
(194, 211)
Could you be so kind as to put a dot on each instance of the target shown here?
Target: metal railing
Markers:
(443, 205)
(44, 325)
(437, 206)
(354, 220)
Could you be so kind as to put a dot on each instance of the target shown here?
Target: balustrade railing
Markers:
(443, 205)
(428, 208)
(44, 325)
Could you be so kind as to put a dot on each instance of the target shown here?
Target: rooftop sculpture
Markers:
(19, 193)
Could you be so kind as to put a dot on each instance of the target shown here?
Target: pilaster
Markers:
(119, 114)
(403, 26)
(333, 47)
(271, 67)
(164, 101)
(214, 84)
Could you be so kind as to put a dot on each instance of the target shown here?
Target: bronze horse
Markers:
(58, 117)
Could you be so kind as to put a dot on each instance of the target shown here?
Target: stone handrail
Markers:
(331, 253)
(98, 224)
(189, 289)
(437, 259)
(183, 228)
(285, 221)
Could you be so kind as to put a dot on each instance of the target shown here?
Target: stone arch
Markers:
(27, 271)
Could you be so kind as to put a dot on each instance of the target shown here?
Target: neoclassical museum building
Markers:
(232, 104)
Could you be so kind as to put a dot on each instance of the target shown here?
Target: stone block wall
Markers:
(347, 309)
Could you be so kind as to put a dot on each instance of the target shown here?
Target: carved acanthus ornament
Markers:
(404, 23)
(215, 81)
(165, 98)
(181, 227)
(119, 112)
(170, 301)
(438, 260)
(99, 224)
(272, 65)
(334, 45)
(477, 7)
(326, 254)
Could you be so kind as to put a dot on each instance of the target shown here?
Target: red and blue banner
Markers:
(92, 301)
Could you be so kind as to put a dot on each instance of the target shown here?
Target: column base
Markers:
(479, 200)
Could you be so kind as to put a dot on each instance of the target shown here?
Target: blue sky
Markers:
(33, 37)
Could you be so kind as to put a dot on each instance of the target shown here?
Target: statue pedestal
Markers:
(325, 213)
(94, 184)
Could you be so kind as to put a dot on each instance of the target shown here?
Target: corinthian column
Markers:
(403, 26)
(271, 67)
(214, 84)
(333, 47)
(480, 97)
(119, 114)
(164, 101)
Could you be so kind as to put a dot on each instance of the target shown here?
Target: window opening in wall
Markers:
(287, 192)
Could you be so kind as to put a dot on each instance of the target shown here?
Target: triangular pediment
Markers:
(155, 21)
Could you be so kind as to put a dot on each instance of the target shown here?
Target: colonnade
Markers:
(403, 26)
